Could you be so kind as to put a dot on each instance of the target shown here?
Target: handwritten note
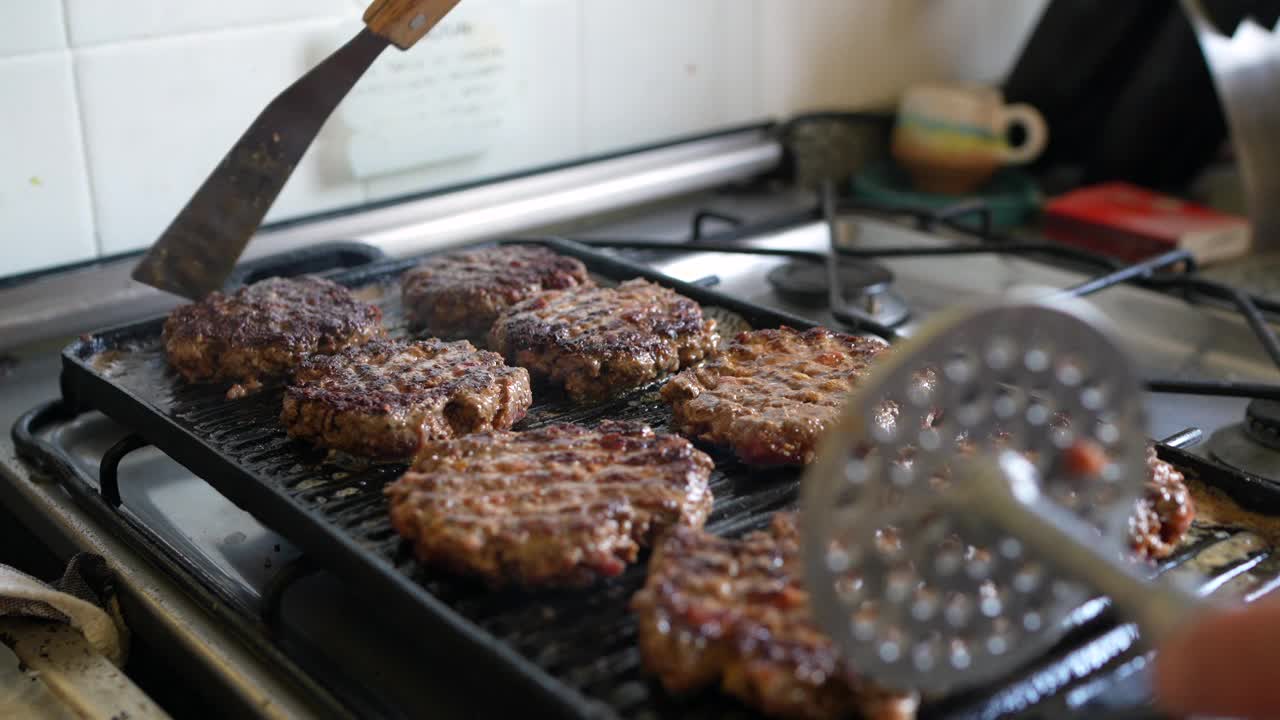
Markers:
(447, 98)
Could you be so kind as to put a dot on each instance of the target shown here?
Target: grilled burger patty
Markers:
(734, 612)
(560, 505)
(386, 398)
(264, 330)
(462, 293)
(771, 393)
(597, 341)
(1164, 512)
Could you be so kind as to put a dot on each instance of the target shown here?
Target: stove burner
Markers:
(806, 282)
(1252, 446)
(864, 284)
(1262, 422)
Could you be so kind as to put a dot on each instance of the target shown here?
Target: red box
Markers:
(1131, 223)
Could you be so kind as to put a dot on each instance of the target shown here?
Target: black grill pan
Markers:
(338, 516)
(571, 653)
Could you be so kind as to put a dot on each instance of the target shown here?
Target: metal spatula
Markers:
(194, 256)
(942, 555)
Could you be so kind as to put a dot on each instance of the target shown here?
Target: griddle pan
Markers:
(569, 653)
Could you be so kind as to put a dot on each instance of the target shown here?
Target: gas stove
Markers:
(252, 617)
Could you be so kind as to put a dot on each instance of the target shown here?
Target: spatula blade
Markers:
(197, 252)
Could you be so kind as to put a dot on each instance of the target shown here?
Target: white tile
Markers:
(159, 114)
(861, 55)
(531, 116)
(823, 54)
(44, 195)
(28, 27)
(952, 29)
(1002, 38)
(653, 70)
(105, 21)
(979, 40)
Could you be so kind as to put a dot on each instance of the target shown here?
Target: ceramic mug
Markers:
(951, 139)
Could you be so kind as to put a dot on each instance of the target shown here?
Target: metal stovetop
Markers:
(1167, 336)
(43, 313)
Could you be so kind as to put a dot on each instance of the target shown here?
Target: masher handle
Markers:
(1007, 494)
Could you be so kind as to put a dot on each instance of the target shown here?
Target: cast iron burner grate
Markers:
(1174, 272)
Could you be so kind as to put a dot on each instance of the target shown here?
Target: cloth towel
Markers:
(83, 597)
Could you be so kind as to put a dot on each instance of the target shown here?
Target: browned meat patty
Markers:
(734, 612)
(598, 341)
(386, 398)
(1163, 514)
(770, 394)
(264, 330)
(461, 294)
(561, 505)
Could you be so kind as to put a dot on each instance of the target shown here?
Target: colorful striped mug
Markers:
(951, 139)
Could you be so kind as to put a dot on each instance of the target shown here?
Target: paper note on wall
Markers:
(446, 99)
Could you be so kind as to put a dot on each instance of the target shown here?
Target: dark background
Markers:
(1125, 88)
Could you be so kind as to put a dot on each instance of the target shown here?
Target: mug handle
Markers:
(1033, 124)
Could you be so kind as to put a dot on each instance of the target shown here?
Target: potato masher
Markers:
(975, 491)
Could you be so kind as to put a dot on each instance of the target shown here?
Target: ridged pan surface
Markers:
(578, 643)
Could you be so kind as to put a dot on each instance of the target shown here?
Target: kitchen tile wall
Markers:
(112, 112)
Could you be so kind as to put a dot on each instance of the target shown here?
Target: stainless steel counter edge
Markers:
(57, 304)
(201, 639)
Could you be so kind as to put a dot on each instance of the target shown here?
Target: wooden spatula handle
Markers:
(404, 22)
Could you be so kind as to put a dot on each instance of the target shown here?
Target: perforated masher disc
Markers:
(917, 593)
